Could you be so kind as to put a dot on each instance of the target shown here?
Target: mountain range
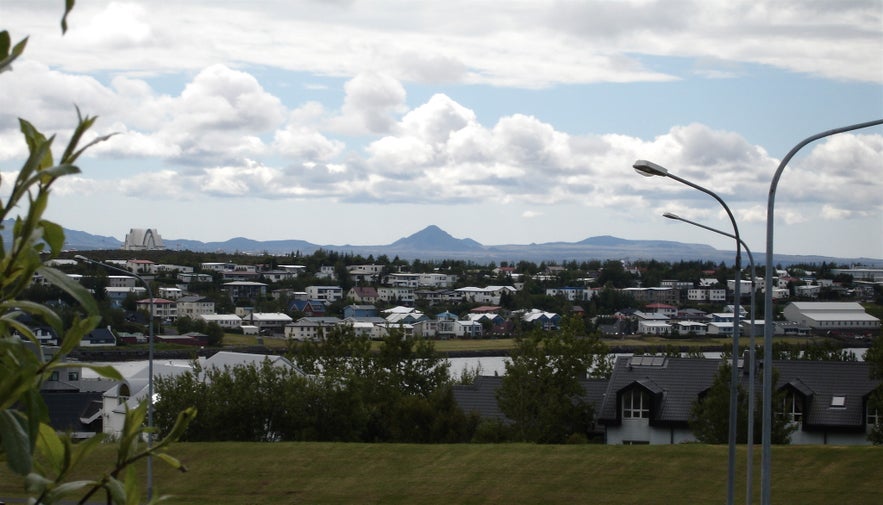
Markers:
(433, 243)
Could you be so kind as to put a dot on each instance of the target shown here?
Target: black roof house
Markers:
(831, 396)
(673, 385)
(834, 394)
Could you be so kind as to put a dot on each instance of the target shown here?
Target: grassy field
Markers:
(507, 344)
(510, 474)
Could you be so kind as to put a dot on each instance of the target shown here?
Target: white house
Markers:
(327, 294)
(223, 320)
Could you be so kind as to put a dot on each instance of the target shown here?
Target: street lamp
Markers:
(766, 453)
(751, 354)
(650, 169)
(149, 365)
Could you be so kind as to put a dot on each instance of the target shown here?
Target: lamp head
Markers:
(82, 258)
(672, 216)
(649, 169)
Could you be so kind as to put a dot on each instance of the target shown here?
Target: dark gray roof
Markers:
(677, 382)
(481, 396)
(820, 381)
(674, 384)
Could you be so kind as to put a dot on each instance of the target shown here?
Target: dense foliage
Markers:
(710, 413)
(338, 390)
(542, 391)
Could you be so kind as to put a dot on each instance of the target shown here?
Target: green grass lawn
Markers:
(510, 474)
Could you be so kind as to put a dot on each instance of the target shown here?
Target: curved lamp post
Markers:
(149, 364)
(765, 474)
(751, 354)
(650, 169)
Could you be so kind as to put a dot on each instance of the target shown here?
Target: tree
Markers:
(542, 391)
(710, 413)
(31, 448)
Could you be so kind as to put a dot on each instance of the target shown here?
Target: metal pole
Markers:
(149, 365)
(766, 453)
(650, 169)
(751, 357)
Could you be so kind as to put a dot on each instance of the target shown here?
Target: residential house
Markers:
(227, 321)
(190, 278)
(649, 398)
(662, 308)
(436, 280)
(121, 281)
(486, 295)
(118, 295)
(363, 294)
(245, 291)
(161, 308)
(573, 293)
(690, 328)
(193, 306)
(368, 274)
(542, 319)
(170, 293)
(396, 294)
(310, 308)
(267, 322)
(327, 294)
(310, 328)
(654, 295)
(99, 337)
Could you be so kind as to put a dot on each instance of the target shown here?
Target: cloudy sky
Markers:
(360, 122)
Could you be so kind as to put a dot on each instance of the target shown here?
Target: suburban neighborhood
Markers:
(645, 398)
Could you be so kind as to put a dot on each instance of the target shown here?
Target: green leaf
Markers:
(36, 483)
(117, 490)
(68, 7)
(68, 489)
(15, 443)
(75, 333)
(49, 445)
(133, 493)
(171, 461)
(53, 234)
(106, 371)
(5, 42)
(7, 57)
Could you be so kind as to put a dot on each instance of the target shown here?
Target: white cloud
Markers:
(464, 41)
(371, 103)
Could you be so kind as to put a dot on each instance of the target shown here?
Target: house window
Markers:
(792, 407)
(838, 401)
(73, 376)
(635, 404)
(873, 416)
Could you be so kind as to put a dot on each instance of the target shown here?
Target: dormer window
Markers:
(838, 402)
(792, 406)
(636, 404)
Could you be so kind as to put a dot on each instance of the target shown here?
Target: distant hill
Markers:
(433, 243)
(433, 238)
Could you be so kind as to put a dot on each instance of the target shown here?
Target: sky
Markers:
(361, 122)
